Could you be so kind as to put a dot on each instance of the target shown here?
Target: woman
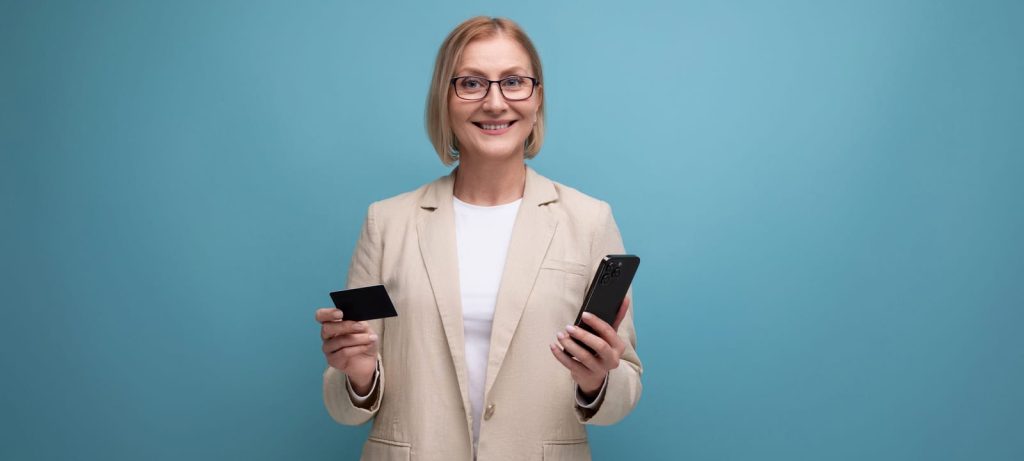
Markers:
(487, 267)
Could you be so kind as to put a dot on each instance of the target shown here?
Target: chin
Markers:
(499, 152)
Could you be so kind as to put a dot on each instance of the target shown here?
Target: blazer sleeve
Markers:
(623, 387)
(364, 270)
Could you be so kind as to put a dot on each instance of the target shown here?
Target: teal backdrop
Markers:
(827, 197)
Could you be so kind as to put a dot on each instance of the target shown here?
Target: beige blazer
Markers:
(422, 408)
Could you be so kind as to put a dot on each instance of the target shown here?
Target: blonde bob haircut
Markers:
(448, 56)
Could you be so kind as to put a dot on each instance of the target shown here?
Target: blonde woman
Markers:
(487, 268)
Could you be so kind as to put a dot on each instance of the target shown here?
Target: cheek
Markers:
(530, 113)
(455, 115)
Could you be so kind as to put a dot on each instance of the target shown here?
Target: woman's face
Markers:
(493, 127)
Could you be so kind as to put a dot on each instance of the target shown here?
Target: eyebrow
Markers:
(510, 71)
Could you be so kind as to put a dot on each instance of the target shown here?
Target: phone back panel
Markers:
(608, 289)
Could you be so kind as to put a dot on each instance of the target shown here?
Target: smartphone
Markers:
(608, 290)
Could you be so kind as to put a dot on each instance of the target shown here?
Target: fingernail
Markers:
(373, 337)
(571, 329)
(588, 315)
(339, 315)
(560, 335)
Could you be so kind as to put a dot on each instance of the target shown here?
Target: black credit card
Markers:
(367, 303)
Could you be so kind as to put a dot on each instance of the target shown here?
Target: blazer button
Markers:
(489, 411)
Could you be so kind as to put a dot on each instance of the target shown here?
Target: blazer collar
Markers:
(531, 235)
(538, 191)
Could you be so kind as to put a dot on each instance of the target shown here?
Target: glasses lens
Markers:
(470, 87)
(516, 87)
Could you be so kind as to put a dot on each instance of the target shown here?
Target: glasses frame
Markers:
(533, 87)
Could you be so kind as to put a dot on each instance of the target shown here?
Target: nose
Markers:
(495, 101)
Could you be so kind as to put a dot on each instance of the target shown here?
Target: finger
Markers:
(595, 343)
(581, 355)
(347, 353)
(574, 367)
(626, 302)
(365, 349)
(344, 327)
(603, 329)
(340, 342)
(328, 314)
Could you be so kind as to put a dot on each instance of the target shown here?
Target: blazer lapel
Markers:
(436, 230)
(531, 234)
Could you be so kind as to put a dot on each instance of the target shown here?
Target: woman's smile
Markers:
(494, 127)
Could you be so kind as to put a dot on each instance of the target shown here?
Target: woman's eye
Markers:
(471, 83)
(512, 82)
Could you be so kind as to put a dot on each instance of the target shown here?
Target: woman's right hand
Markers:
(350, 347)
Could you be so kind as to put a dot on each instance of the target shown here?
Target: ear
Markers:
(540, 102)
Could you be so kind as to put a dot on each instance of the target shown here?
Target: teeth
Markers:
(494, 127)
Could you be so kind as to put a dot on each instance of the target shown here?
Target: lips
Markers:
(495, 127)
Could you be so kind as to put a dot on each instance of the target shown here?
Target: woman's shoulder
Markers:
(407, 203)
(579, 206)
(404, 200)
(586, 218)
(574, 198)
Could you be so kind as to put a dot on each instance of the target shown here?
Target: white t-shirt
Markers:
(482, 235)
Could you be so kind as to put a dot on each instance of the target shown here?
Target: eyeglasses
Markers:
(513, 88)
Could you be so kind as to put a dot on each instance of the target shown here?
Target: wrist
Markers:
(362, 382)
(590, 390)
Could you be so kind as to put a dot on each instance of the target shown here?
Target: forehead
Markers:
(494, 56)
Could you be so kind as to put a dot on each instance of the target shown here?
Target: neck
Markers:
(490, 182)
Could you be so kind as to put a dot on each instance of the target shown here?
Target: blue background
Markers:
(827, 197)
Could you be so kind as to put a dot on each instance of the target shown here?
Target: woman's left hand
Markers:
(590, 369)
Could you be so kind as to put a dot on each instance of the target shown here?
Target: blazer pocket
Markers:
(572, 277)
(377, 448)
(565, 266)
(569, 450)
